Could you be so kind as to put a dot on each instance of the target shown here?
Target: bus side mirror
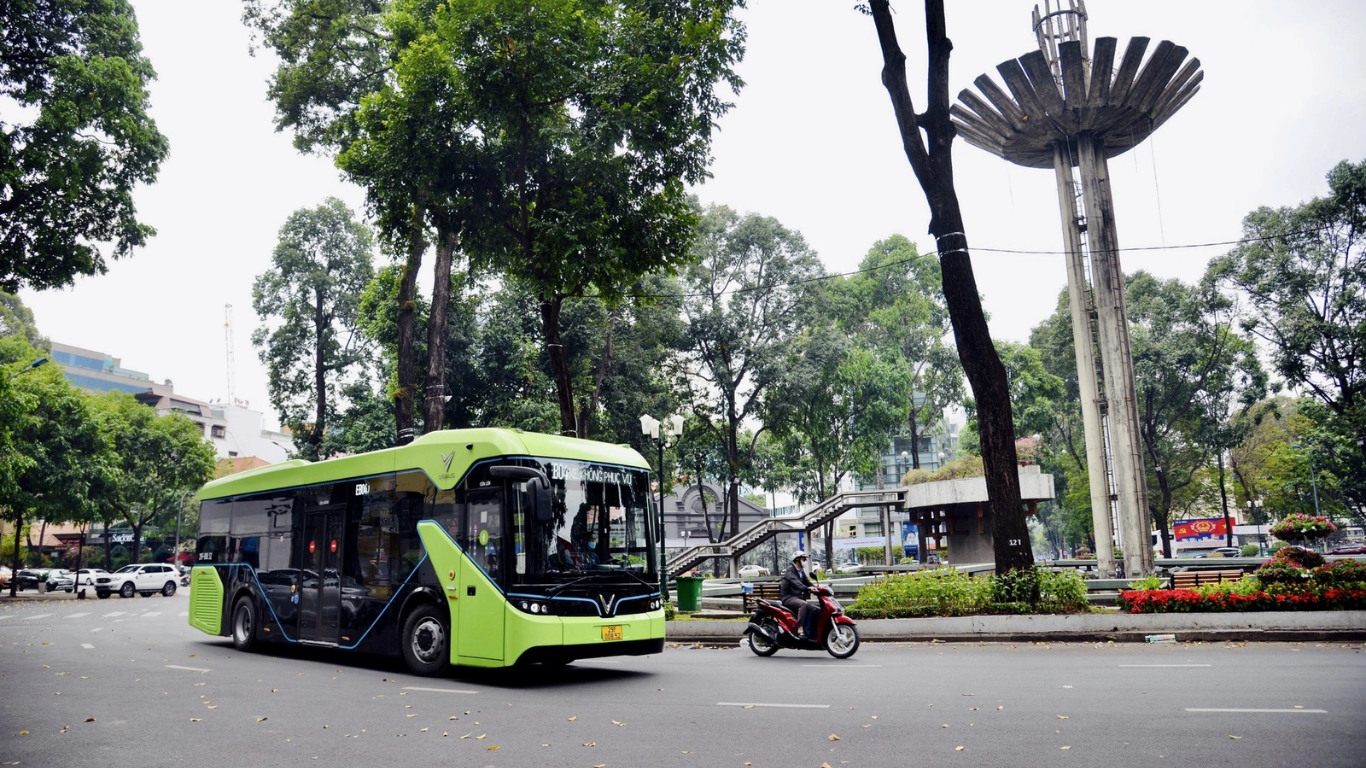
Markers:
(541, 501)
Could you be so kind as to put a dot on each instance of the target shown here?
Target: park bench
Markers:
(767, 590)
(1193, 579)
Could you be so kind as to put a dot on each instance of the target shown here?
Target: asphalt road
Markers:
(129, 683)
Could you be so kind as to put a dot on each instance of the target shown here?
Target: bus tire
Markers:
(243, 624)
(426, 641)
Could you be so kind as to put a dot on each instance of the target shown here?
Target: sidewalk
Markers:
(1089, 627)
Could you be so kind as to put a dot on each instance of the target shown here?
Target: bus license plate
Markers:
(612, 632)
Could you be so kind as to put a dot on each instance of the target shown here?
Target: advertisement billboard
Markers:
(1200, 528)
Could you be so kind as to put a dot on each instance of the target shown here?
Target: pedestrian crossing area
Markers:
(20, 616)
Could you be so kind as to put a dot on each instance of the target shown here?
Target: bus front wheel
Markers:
(426, 641)
(243, 625)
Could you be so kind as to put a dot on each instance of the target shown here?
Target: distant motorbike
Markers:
(772, 627)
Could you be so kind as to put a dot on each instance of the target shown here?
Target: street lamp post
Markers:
(35, 364)
(650, 427)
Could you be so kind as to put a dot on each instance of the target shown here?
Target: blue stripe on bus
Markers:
(281, 625)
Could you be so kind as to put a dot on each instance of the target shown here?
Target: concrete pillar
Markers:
(885, 513)
(1088, 389)
(1117, 360)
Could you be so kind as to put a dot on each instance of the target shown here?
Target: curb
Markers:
(1274, 626)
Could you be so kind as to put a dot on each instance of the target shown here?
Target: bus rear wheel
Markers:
(426, 641)
(243, 625)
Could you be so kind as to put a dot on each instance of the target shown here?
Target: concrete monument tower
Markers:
(1070, 109)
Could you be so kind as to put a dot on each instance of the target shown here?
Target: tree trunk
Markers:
(137, 538)
(559, 363)
(320, 329)
(14, 570)
(434, 410)
(986, 375)
(1223, 499)
(604, 365)
(407, 316)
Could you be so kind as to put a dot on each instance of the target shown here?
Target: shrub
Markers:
(1147, 582)
(937, 592)
(1016, 587)
(1279, 571)
(1063, 590)
(1278, 546)
(1249, 550)
(1341, 573)
(1304, 558)
(1297, 526)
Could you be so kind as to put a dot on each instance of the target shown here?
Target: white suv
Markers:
(146, 580)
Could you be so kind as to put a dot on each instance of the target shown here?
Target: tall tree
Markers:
(309, 301)
(593, 116)
(747, 295)
(1302, 270)
(159, 461)
(51, 443)
(839, 402)
(17, 320)
(932, 161)
(1189, 365)
(78, 141)
(897, 301)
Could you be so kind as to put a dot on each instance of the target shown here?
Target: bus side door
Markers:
(481, 603)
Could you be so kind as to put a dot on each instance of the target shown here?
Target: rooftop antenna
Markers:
(227, 338)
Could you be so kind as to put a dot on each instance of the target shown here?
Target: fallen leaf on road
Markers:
(1000, 708)
(23, 733)
(749, 706)
(1062, 717)
(618, 723)
(452, 717)
(572, 719)
(867, 725)
(1064, 747)
(480, 736)
(590, 743)
(466, 736)
(874, 717)
(833, 737)
(410, 715)
(969, 694)
(1231, 736)
(90, 719)
(196, 719)
(259, 719)
(493, 747)
(424, 730)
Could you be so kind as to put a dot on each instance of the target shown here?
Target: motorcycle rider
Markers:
(794, 589)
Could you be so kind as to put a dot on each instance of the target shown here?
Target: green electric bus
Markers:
(478, 547)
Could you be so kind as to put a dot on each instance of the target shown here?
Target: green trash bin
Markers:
(689, 591)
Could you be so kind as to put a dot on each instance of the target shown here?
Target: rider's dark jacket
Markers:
(794, 583)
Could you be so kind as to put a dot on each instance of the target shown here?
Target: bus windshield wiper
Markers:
(558, 588)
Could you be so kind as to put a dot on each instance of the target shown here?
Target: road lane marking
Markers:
(1164, 665)
(78, 615)
(437, 690)
(837, 665)
(1287, 711)
(96, 629)
(200, 670)
(748, 704)
(5, 617)
(114, 613)
(158, 613)
(39, 616)
(87, 646)
(182, 615)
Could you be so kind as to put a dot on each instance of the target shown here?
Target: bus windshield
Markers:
(600, 523)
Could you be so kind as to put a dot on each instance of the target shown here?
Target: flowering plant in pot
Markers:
(1300, 527)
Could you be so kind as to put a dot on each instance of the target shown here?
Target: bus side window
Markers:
(483, 541)
(215, 519)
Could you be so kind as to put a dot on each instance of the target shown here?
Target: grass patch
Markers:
(946, 592)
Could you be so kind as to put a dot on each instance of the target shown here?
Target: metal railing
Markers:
(767, 528)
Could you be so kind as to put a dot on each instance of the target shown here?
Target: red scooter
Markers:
(773, 627)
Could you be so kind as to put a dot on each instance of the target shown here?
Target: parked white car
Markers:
(751, 571)
(146, 580)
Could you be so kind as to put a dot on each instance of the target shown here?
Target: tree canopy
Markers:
(79, 142)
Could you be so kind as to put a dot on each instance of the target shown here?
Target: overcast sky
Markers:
(811, 141)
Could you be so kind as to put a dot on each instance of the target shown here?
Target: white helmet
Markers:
(799, 556)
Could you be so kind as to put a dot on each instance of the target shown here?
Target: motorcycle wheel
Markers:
(760, 644)
(842, 640)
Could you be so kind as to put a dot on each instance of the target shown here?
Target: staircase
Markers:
(766, 529)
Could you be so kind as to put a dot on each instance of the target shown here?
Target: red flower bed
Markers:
(1190, 600)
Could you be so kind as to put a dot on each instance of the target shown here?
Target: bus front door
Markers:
(320, 582)
(481, 603)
